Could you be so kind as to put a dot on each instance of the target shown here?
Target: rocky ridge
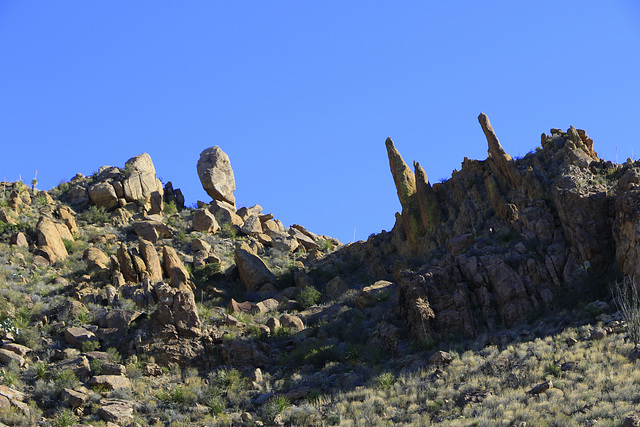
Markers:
(153, 285)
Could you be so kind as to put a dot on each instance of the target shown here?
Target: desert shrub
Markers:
(325, 245)
(65, 417)
(203, 276)
(552, 369)
(64, 378)
(226, 387)
(275, 406)
(384, 381)
(308, 296)
(95, 215)
(68, 245)
(90, 346)
(170, 208)
(10, 229)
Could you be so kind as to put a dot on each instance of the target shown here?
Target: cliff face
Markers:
(504, 237)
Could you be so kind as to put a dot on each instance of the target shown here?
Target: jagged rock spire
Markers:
(427, 200)
(403, 177)
(405, 181)
(502, 161)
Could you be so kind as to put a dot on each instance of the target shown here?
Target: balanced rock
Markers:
(216, 175)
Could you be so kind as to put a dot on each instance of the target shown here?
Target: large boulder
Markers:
(253, 271)
(204, 221)
(103, 195)
(50, 241)
(151, 230)
(175, 269)
(216, 175)
(151, 260)
(140, 180)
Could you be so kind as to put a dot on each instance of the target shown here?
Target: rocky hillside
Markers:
(119, 304)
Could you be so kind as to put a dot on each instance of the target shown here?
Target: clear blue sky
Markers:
(302, 95)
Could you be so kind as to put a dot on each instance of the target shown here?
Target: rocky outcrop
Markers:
(216, 175)
(113, 187)
(504, 237)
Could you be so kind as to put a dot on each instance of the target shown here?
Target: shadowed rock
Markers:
(405, 181)
(427, 200)
(502, 161)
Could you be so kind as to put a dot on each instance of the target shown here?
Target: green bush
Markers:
(95, 215)
(65, 417)
(384, 381)
(203, 276)
(64, 378)
(308, 296)
(170, 208)
(275, 406)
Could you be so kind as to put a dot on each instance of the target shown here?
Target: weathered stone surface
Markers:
(584, 215)
(291, 321)
(140, 179)
(303, 239)
(67, 216)
(503, 162)
(240, 307)
(96, 260)
(541, 388)
(428, 203)
(20, 240)
(120, 413)
(405, 182)
(252, 225)
(110, 382)
(253, 271)
(7, 357)
(120, 319)
(225, 214)
(18, 349)
(272, 323)
(151, 260)
(151, 230)
(185, 313)
(265, 306)
(200, 245)
(127, 266)
(50, 241)
(440, 358)
(175, 269)
(74, 398)
(77, 335)
(375, 293)
(205, 221)
(103, 195)
(216, 175)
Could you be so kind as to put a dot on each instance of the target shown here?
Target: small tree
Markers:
(628, 301)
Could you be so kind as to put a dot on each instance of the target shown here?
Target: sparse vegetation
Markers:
(195, 359)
